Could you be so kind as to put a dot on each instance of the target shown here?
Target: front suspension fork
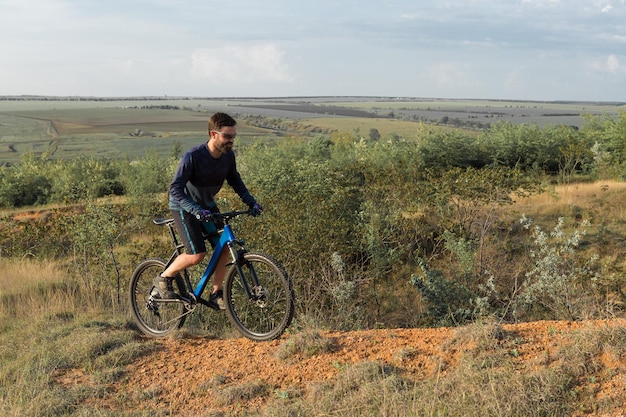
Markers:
(239, 261)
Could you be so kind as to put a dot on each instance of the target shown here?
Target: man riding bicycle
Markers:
(199, 177)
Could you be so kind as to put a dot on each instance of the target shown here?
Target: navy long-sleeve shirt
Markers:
(200, 177)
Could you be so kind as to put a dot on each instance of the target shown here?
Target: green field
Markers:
(114, 128)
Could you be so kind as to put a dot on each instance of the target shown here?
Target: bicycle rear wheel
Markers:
(269, 310)
(154, 317)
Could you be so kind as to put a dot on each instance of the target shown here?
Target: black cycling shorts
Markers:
(193, 232)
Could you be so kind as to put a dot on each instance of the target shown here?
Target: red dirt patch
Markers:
(181, 376)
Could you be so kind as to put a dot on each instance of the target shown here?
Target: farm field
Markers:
(130, 127)
(489, 111)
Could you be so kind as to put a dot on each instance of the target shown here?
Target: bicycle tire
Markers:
(267, 317)
(154, 318)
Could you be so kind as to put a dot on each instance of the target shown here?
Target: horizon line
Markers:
(41, 97)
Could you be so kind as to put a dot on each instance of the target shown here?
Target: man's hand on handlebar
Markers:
(256, 209)
(204, 216)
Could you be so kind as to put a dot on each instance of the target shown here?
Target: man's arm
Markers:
(178, 185)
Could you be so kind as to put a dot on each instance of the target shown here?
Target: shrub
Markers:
(85, 178)
(25, 184)
(559, 283)
(448, 301)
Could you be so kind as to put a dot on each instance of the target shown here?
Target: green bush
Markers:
(85, 178)
(25, 184)
(351, 219)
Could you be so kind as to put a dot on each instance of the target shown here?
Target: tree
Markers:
(374, 135)
(572, 155)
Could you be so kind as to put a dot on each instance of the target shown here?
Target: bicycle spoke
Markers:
(153, 316)
(267, 312)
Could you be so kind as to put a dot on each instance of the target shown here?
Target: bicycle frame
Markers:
(227, 241)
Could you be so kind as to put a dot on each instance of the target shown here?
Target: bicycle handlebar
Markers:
(227, 216)
(220, 216)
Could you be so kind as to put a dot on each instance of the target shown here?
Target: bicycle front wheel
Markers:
(267, 310)
(153, 317)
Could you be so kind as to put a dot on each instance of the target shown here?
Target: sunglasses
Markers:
(226, 136)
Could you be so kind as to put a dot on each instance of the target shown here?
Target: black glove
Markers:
(204, 216)
(256, 209)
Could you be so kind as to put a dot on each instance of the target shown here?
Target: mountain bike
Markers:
(258, 295)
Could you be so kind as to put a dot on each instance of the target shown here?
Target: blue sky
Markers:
(506, 49)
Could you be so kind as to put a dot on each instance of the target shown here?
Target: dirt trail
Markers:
(181, 374)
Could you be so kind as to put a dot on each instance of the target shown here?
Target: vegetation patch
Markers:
(305, 344)
(378, 229)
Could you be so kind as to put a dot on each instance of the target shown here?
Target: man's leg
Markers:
(164, 281)
(182, 261)
(220, 271)
(190, 233)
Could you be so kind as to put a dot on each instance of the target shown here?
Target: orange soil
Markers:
(178, 378)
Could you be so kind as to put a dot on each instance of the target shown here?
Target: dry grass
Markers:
(305, 344)
(242, 392)
(30, 287)
(48, 338)
(582, 199)
(601, 203)
(19, 275)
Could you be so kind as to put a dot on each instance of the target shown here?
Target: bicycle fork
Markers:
(256, 293)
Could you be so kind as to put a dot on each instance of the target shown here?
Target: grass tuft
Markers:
(305, 344)
(241, 393)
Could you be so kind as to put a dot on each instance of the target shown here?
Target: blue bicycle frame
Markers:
(226, 241)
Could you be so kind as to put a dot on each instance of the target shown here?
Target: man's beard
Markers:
(226, 147)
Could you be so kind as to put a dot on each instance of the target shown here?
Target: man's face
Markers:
(224, 138)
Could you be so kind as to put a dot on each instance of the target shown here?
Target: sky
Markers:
(461, 49)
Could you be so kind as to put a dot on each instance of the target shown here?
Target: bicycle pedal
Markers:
(213, 303)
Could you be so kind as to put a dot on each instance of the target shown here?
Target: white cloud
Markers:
(542, 3)
(454, 78)
(244, 64)
(611, 65)
(446, 73)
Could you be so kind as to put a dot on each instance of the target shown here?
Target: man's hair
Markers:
(219, 120)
